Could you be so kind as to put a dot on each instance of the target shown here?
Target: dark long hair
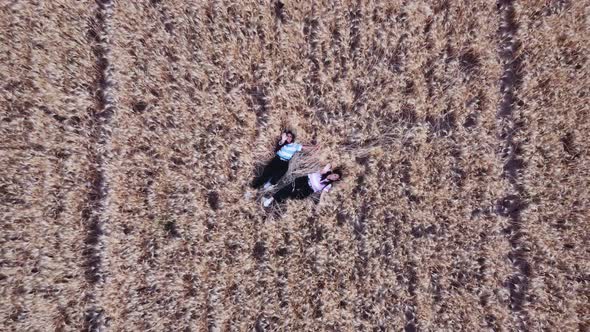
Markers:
(327, 181)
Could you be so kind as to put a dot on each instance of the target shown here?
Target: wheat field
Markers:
(131, 132)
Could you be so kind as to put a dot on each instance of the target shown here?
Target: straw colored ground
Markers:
(131, 130)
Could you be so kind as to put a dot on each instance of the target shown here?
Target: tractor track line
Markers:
(95, 215)
(511, 205)
(313, 84)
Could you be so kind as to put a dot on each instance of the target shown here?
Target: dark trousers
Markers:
(298, 189)
(274, 171)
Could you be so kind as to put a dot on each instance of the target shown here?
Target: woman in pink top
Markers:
(304, 186)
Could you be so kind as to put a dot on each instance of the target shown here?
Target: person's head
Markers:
(290, 136)
(334, 175)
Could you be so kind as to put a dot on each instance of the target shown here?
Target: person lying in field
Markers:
(304, 186)
(278, 166)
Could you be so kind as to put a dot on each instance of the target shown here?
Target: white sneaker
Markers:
(267, 185)
(267, 201)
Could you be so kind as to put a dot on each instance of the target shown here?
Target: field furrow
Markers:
(47, 101)
(510, 206)
(556, 176)
(96, 214)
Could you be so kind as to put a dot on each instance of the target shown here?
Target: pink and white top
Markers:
(316, 183)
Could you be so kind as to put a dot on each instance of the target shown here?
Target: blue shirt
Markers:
(288, 150)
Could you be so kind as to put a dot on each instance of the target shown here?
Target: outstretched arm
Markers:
(322, 194)
(326, 169)
(310, 148)
(321, 200)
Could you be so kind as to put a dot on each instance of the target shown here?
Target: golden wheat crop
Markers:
(131, 132)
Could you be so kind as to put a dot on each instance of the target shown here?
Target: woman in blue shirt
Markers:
(279, 165)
